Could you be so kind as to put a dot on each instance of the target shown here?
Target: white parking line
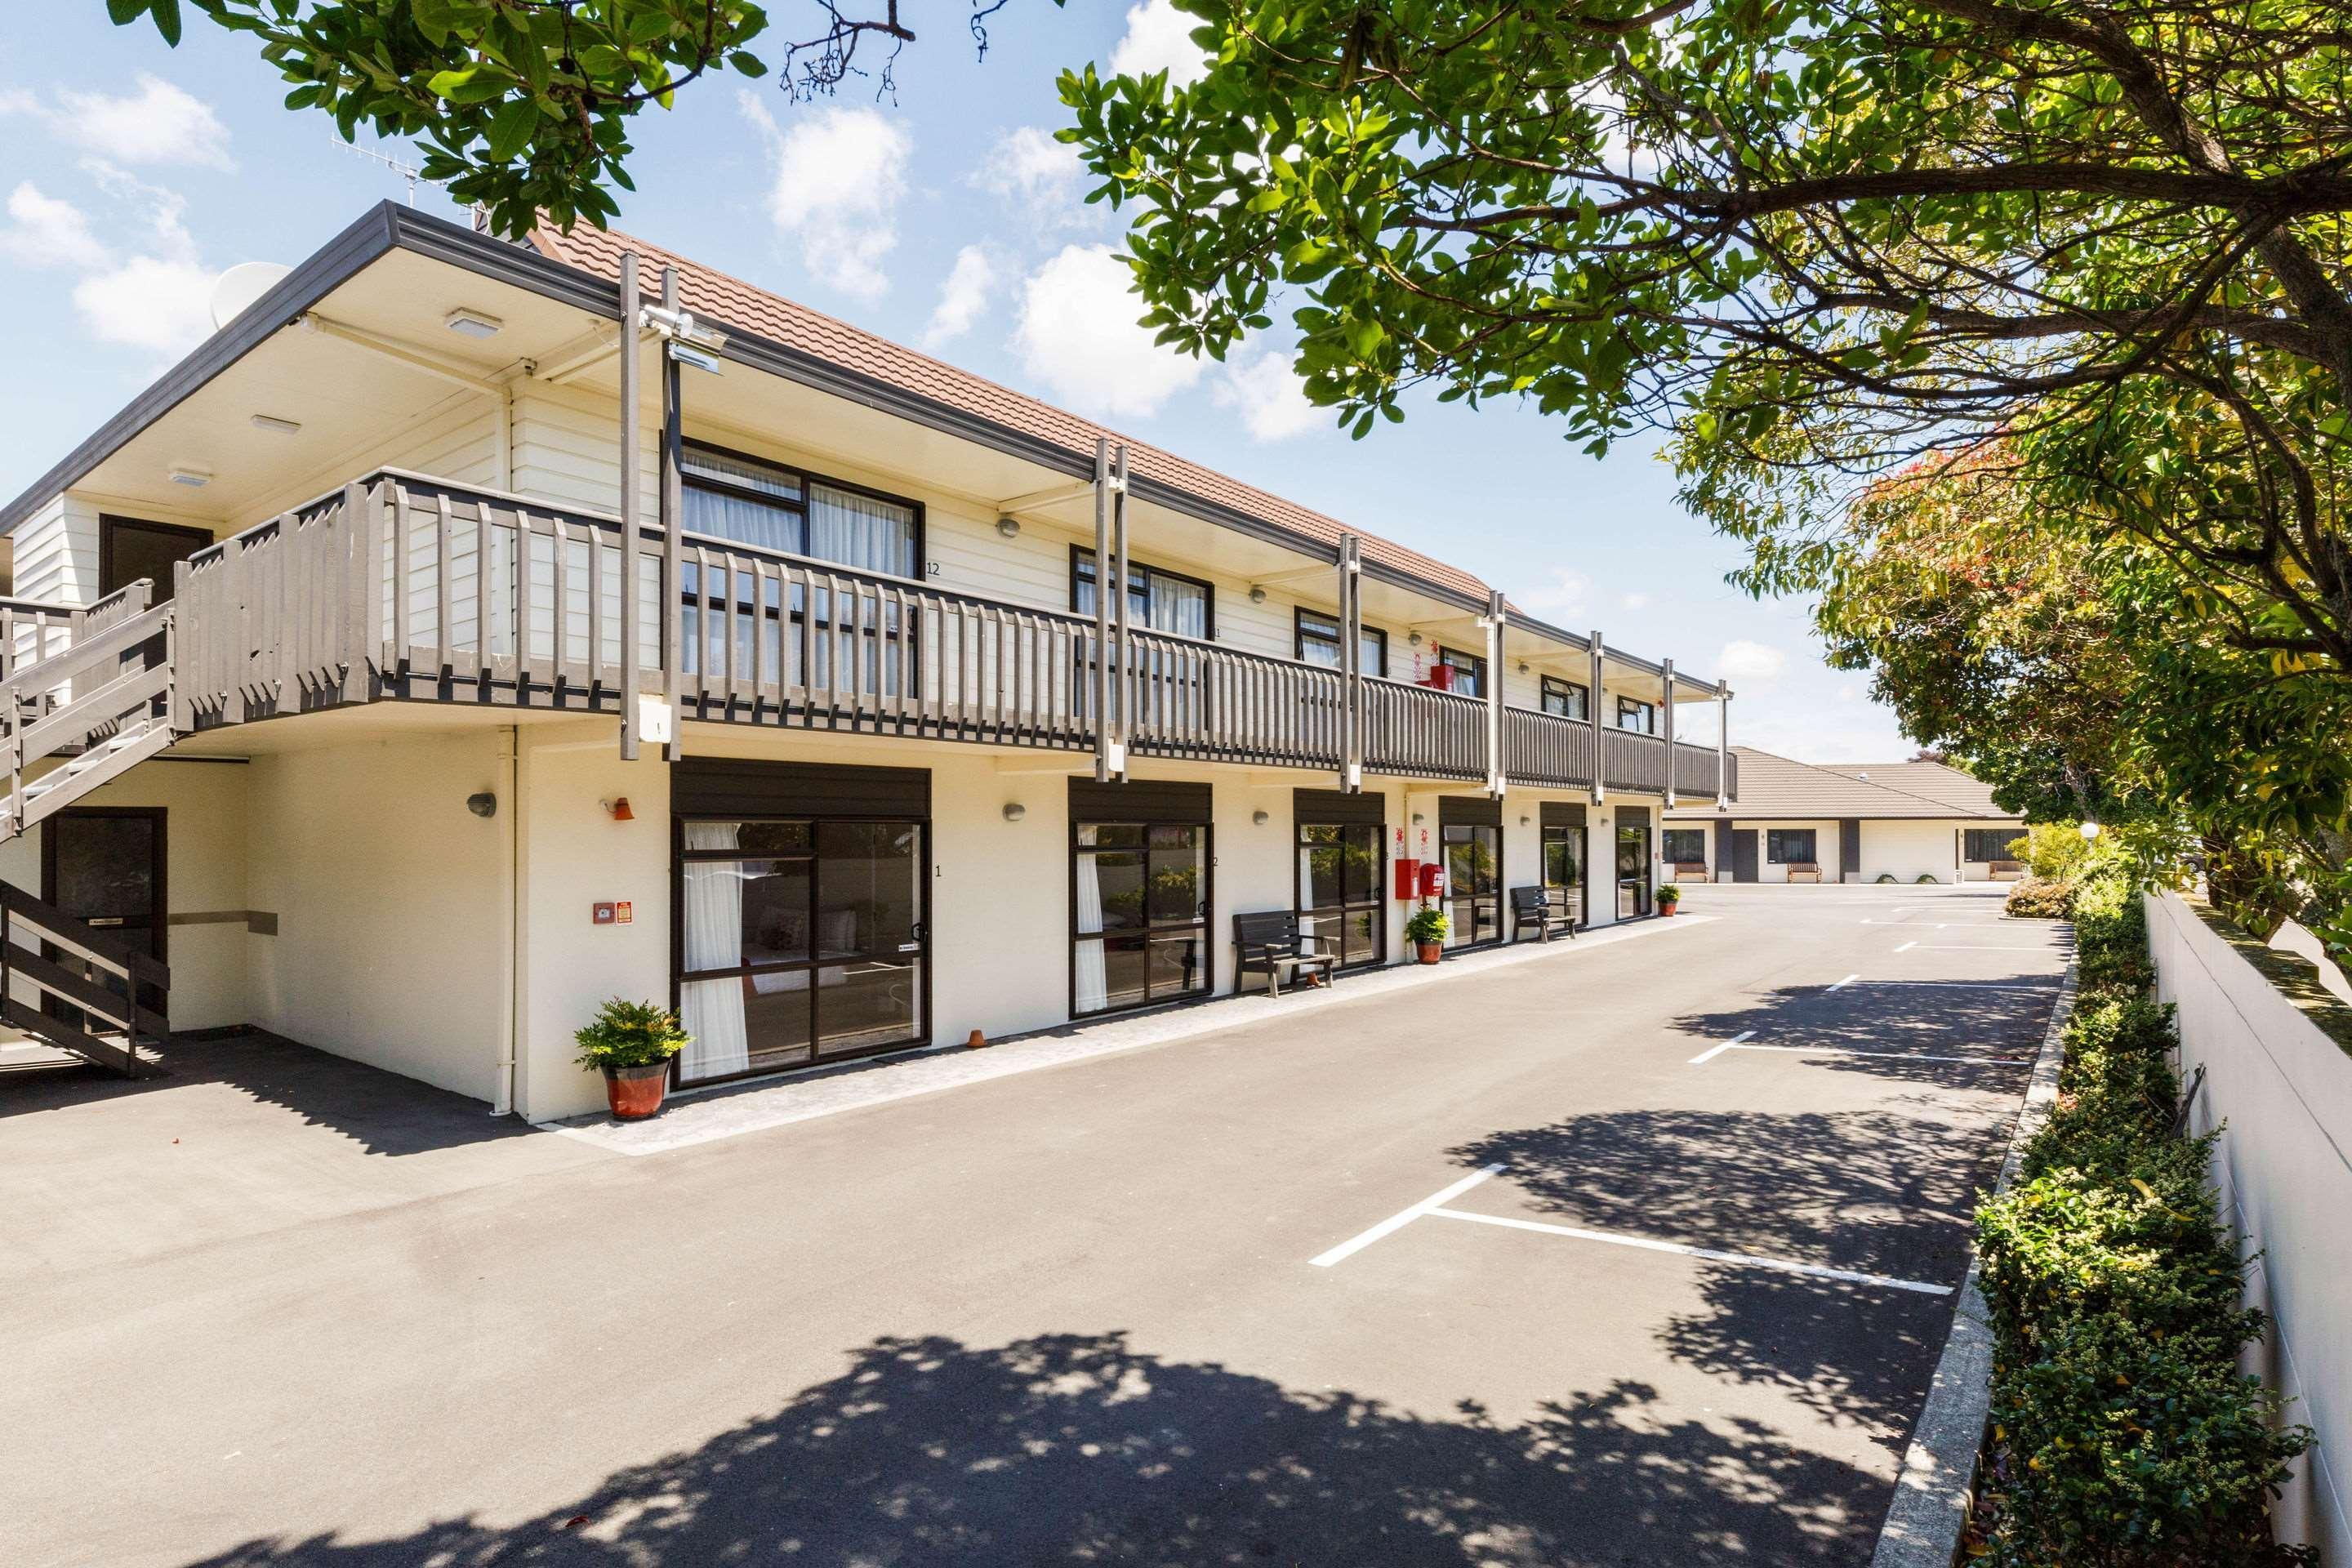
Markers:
(1983, 947)
(1400, 1219)
(1741, 1259)
(1711, 1055)
(1846, 982)
(1907, 946)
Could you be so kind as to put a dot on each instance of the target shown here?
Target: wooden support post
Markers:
(1497, 621)
(1600, 734)
(631, 437)
(673, 508)
(1669, 727)
(1724, 794)
(1351, 663)
(1123, 699)
(1102, 610)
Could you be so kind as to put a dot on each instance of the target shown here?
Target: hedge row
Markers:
(2122, 1435)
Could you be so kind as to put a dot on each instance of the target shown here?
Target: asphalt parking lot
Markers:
(1640, 1251)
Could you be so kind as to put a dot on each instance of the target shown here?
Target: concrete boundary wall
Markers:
(2279, 1081)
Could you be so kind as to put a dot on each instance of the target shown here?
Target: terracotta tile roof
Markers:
(748, 309)
(1782, 789)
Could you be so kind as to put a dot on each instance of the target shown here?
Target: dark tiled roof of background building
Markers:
(1782, 789)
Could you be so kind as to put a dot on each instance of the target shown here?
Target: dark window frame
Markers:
(1298, 614)
(1142, 571)
(1666, 837)
(1150, 928)
(2003, 837)
(1776, 841)
(1446, 853)
(1454, 657)
(807, 477)
(1547, 834)
(1377, 900)
(679, 854)
(1561, 686)
(1630, 706)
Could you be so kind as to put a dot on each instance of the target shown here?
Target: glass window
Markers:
(1319, 643)
(1157, 600)
(1563, 867)
(130, 548)
(1454, 670)
(1992, 843)
(1138, 919)
(775, 507)
(1565, 698)
(1686, 845)
(1789, 846)
(1638, 716)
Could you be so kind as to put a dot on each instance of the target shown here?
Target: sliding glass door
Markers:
(1563, 868)
(1339, 893)
(1474, 893)
(1139, 914)
(798, 941)
(1632, 862)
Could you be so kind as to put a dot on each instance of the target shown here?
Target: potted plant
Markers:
(631, 1044)
(1669, 895)
(1426, 931)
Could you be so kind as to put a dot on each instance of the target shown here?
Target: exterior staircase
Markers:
(70, 719)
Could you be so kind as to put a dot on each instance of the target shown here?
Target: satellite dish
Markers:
(235, 291)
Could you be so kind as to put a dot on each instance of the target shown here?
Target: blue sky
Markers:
(132, 175)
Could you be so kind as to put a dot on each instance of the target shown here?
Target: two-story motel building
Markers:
(440, 649)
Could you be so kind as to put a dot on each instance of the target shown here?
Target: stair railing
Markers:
(48, 958)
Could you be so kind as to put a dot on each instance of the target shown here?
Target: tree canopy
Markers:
(523, 107)
(2082, 262)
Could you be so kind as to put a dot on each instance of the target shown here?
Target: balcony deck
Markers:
(405, 587)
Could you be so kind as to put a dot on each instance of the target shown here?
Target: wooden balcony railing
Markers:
(401, 585)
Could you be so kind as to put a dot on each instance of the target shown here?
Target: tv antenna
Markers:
(400, 166)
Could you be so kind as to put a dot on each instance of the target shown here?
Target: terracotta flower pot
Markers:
(635, 1093)
(1431, 950)
(1668, 908)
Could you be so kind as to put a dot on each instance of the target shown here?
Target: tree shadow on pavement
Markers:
(1080, 1449)
(1880, 1192)
(1893, 1018)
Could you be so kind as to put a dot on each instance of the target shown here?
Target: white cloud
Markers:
(1750, 661)
(1079, 334)
(1272, 403)
(966, 290)
(158, 123)
(1156, 39)
(46, 231)
(148, 302)
(1565, 594)
(839, 175)
(1043, 176)
(1637, 601)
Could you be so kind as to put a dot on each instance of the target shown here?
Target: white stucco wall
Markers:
(389, 896)
(2280, 1088)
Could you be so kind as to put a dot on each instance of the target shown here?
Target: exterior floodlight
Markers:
(680, 327)
(2090, 831)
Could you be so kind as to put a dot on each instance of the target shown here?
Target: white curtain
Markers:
(1093, 989)
(713, 1010)
(860, 532)
(1179, 607)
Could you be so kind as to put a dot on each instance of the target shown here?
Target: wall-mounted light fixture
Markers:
(1524, 819)
(1418, 819)
(617, 808)
(1014, 811)
(1258, 594)
(1414, 638)
(1523, 667)
(482, 802)
(1260, 818)
(1009, 526)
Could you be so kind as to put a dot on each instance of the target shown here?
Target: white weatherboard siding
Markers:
(388, 894)
(2281, 1089)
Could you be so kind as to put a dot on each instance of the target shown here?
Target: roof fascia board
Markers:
(367, 238)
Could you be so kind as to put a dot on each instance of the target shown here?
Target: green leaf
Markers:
(511, 127)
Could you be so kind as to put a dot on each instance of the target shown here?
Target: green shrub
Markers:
(1886, 876)
(2052, 852)
(2035, 899)
(2123, 1435)
(1427, 923)
(1924, 878)
(2121, 1445)
(631, 1035)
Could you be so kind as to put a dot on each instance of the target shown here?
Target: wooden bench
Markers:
(2008, 871)
(1690, 871)
(1533, 907)
(1804, 871)
(1272, 942)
